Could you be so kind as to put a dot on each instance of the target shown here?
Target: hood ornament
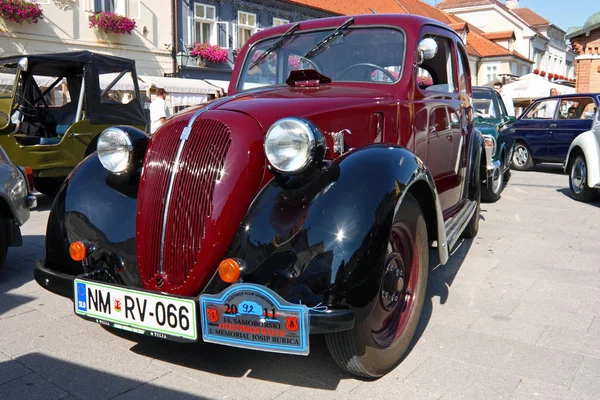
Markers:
(338, 141)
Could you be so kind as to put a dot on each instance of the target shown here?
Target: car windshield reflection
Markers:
(373, 55)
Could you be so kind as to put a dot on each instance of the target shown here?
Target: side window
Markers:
(463, 74)
(501, 104)
(116, 91)
(542, 110)
(438, 70)
(576, 108)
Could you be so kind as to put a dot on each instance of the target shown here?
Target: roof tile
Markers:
(531, 17)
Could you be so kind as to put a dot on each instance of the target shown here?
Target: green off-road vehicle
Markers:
(54, 106)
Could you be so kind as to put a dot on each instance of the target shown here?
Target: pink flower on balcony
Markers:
(112, 23)
(20, 11)
(212, 53)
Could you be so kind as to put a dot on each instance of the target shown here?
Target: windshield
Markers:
(357, 55)
(7, 81)
(484, 105)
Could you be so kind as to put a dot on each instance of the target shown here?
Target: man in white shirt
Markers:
(159, 111)
(508, 101)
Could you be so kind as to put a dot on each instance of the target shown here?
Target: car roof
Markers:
(572, 95)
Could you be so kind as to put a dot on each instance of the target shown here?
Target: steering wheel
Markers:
(375, 66)
(309, 61)
(23, 105)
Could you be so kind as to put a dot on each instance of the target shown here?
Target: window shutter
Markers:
(223, 34)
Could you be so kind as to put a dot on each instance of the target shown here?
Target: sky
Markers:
(563, 14)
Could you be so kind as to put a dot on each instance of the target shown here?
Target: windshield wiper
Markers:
(275, 46)
(327, 39)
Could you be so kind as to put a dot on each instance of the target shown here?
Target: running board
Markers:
(456, 225)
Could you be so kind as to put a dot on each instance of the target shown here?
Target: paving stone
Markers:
(570, 340)
(243, 372)
(170, 386)
(31, 386)
(456, 380)
(563, 291)
(90, 369)
(509, 328)
(11, 305)
(595, 327)
(529, 389)
(31, 331)
(10, 369)
(587, 379)
(543, 314)
(504, 355)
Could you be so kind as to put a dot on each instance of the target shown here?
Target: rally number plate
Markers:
(153, 314)
(254, 317)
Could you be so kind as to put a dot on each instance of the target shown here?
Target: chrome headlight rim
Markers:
(314, 140)
(493, 141)
(124, 167)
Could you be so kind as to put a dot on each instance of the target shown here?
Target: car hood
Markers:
(269, 105)
(487, 126)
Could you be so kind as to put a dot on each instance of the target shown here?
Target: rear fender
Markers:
(587, 142)
(326, 242)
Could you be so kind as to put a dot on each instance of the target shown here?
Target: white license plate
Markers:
(152, 314)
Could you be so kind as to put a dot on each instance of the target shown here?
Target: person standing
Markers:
(159, 111)
(508, 101)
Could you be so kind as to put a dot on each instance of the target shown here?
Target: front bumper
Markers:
(332, 320)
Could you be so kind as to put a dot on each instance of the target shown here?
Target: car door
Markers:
(572, 119)
(534, 126)
(441, 98)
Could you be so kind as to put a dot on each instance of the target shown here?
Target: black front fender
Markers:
(326, 242)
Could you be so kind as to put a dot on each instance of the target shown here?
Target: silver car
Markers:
(16, 200)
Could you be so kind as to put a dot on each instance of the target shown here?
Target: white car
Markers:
(583, 163)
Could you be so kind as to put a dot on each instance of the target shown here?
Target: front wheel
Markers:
(494, 185)
(578, 180)
(522, 159)
(377, 344)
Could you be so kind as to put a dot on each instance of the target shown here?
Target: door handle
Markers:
(449, 137)
(552, 125)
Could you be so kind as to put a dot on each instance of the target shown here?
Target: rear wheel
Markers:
(48, 186)
(522, 159)
(377, 344)
(578, 179)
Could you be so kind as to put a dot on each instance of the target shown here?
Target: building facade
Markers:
(521, 31)
(229, 24)
(586, 41)
(66, 27)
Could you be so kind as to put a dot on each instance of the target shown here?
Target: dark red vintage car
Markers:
(304, 203)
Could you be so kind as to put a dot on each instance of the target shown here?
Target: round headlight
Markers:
(291, 143)
(114, 149)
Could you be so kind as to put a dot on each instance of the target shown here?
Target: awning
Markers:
(223, 85)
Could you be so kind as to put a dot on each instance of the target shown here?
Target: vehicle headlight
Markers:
(115, 150)
(292, 144)
(490, 144)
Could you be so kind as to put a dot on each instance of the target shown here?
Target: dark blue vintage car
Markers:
(547, 127)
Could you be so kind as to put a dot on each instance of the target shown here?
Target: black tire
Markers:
(578, 186)
(507, 175)
(494, 186)
(522, 159)
(472, 227)
(3, 244)
(377, 344)
(48, 186)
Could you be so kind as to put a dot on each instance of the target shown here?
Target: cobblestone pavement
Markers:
(514, 315)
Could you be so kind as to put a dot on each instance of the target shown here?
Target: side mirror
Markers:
(426, 50)
(509, 119)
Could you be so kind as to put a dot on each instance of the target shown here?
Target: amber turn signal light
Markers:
(229, 270)
(77, 251)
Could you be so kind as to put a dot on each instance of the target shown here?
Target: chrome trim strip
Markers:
(185, 134)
